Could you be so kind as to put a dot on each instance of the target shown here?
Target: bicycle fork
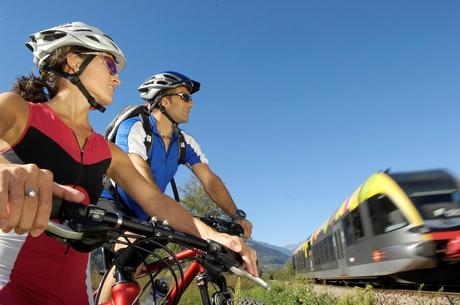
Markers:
(221, 297)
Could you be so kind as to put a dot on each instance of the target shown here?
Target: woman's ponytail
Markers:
(39, 89)
(31, 88)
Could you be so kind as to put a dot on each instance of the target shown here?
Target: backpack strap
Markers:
(174, 189)
(181, 160)
(181, 147)
(145, 120)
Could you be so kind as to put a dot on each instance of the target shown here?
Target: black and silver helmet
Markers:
(151, 88)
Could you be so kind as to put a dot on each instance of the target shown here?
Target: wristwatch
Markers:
(239, 214)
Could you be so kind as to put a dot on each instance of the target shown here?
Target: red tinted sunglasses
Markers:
(109, 61)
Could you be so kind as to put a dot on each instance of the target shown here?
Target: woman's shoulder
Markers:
(11, 96)
(13, 103)
(14, 115)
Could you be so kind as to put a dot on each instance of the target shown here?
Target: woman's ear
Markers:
(73, 63)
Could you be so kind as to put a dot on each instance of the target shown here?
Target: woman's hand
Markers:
(26, 193)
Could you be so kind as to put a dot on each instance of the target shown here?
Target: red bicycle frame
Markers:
(125, 293)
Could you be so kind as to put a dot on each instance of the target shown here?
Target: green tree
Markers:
(196, 200)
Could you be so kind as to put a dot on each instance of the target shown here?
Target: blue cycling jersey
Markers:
(163, 162)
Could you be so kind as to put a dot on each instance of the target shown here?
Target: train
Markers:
(394, 228)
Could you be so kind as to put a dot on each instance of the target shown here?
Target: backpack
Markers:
(141, 111)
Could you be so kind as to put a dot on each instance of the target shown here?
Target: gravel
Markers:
(387, 297)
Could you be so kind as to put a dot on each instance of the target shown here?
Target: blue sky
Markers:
(301, 100)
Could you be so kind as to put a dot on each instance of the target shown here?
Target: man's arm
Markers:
(217, 191)
(155, 203)
(143, 168)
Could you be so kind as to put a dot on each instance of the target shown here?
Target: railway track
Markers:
(395, 296)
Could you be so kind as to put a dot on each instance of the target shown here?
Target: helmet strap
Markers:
(75, 79)
(166, 114)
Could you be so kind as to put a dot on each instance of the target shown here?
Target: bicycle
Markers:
(86, 228)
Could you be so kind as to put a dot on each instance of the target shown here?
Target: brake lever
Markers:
(249, 276)
(63, 231)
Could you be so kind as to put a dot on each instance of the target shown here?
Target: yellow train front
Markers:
(402, 227)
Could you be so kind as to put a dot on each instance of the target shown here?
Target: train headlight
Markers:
(378, 255)
(453, 249)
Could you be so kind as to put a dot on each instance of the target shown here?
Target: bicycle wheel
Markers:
(247, 301)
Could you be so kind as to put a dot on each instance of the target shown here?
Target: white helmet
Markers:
(43, 43)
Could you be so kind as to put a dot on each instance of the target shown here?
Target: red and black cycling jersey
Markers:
(43, 270)
(50, 144)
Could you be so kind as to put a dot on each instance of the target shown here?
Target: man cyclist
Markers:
(168, 99)
(168, 102)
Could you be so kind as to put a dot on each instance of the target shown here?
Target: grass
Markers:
(289, 289)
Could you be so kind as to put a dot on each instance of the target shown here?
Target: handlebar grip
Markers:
(63, 209)
(56, 209)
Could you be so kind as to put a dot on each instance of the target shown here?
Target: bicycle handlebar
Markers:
(223, 226)
(82, 215)
(79, 217)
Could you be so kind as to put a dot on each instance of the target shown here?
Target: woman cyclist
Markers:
(48, 147)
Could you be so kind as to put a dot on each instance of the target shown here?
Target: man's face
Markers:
(176, 104)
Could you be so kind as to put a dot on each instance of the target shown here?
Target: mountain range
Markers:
(270, 256)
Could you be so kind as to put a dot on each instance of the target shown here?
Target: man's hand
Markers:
(247, 227)
(236, 244)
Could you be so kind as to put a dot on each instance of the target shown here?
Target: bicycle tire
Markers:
(248, 301)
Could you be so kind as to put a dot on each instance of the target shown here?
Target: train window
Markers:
(357, 224)
(435, 204)
(315, 251)
(353, 227)
(322, 257)
(320, 253)
(338, 243)
(330, 244)
(385, 216)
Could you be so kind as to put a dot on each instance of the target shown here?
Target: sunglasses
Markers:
(185, 96)
(109, 61)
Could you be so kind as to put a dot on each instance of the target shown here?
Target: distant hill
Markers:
(269, 256)
(292, 247)
(284, 250)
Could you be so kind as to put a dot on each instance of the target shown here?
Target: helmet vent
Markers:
(169, 77)
(160, 82)
(53, 36)
(93, 38)
(113, 45)
(48, 32)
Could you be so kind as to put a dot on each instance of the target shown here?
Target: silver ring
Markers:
(31, 193)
